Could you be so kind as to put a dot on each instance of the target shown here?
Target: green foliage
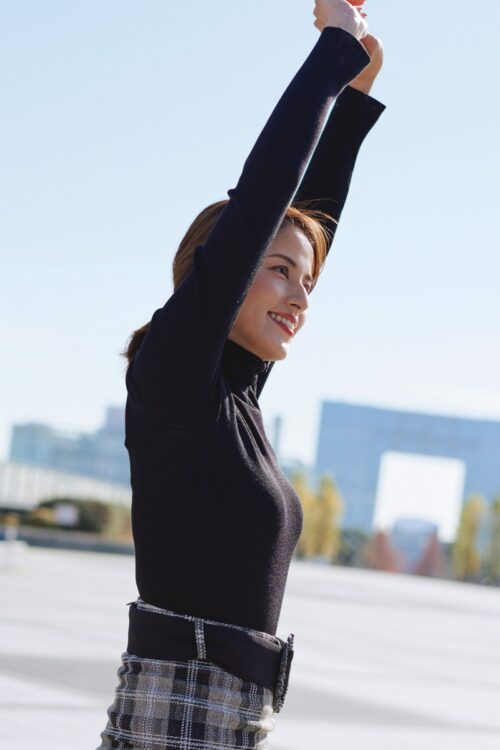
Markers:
(111, 521)
(329, 509)
(322, 510)
(322, 537)
(352, 541)
(465, 555)
(40, 517)
(491, 566)
(305, 545)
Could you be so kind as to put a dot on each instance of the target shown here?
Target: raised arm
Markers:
(175, 368)
(326, 182)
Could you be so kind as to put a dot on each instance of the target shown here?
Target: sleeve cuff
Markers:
(358, 101)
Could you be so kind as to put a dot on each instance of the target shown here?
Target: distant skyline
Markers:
(121, 120)
(409, 485)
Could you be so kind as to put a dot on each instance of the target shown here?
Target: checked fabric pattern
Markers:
(188, 705)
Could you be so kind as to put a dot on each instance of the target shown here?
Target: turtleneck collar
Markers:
(240, 365)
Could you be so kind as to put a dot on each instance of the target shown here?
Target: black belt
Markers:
(248, 655)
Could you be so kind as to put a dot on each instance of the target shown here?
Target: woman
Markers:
(215, 521)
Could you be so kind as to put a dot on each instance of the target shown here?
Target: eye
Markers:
(281, 269)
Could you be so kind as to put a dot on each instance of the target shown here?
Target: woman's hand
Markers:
(375, 49)
(343, 14)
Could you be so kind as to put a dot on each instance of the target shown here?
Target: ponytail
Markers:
(134, 342)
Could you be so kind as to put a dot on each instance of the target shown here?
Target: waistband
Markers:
(156, 633)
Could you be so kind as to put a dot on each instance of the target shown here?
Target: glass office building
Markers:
(101, 454)
(353, 440)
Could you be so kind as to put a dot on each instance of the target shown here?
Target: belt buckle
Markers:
(283, 674)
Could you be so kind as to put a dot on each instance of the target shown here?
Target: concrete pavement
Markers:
(385, 662)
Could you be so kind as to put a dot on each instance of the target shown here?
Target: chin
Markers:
(263, 347)
(282, 355)
(274, 354)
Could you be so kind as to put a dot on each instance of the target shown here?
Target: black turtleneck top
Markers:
(215, 520)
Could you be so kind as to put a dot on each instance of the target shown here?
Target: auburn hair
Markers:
(307, 220)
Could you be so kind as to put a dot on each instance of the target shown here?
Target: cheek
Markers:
(302, 322)
(263, 293)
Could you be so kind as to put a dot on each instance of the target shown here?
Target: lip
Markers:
(286, 315)
(282, 326)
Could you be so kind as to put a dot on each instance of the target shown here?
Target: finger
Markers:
(372, 44)
(363, 25)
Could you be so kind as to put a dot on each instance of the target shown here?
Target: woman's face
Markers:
(280, 287)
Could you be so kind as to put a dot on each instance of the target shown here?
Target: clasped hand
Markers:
(348, 15)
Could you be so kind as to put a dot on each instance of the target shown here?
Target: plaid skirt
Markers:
(186, 704)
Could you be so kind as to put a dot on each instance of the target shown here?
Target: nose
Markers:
(299, 297)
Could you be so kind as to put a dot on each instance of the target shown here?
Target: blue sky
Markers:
(121, 120)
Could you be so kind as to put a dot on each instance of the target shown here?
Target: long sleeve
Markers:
(326, 182)
(327, 179)
(174, 371)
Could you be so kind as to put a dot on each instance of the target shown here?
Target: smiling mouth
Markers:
(283, 326)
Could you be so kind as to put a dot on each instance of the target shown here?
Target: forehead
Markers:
(292, 243)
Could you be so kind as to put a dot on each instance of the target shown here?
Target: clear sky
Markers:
(122, 119)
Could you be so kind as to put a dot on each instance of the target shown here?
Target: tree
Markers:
(320, 530)
(329, 509)
(492, 557)
(465, 555)
(432, 562)
(352, 542)
(306, 544)
(91, 515)
(379, 555)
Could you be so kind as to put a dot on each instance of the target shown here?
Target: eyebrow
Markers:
(292, 262)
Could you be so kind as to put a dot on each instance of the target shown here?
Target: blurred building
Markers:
(275, 435)
(295, 466)
(23, 486)
(101, 454)
(353, 438)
